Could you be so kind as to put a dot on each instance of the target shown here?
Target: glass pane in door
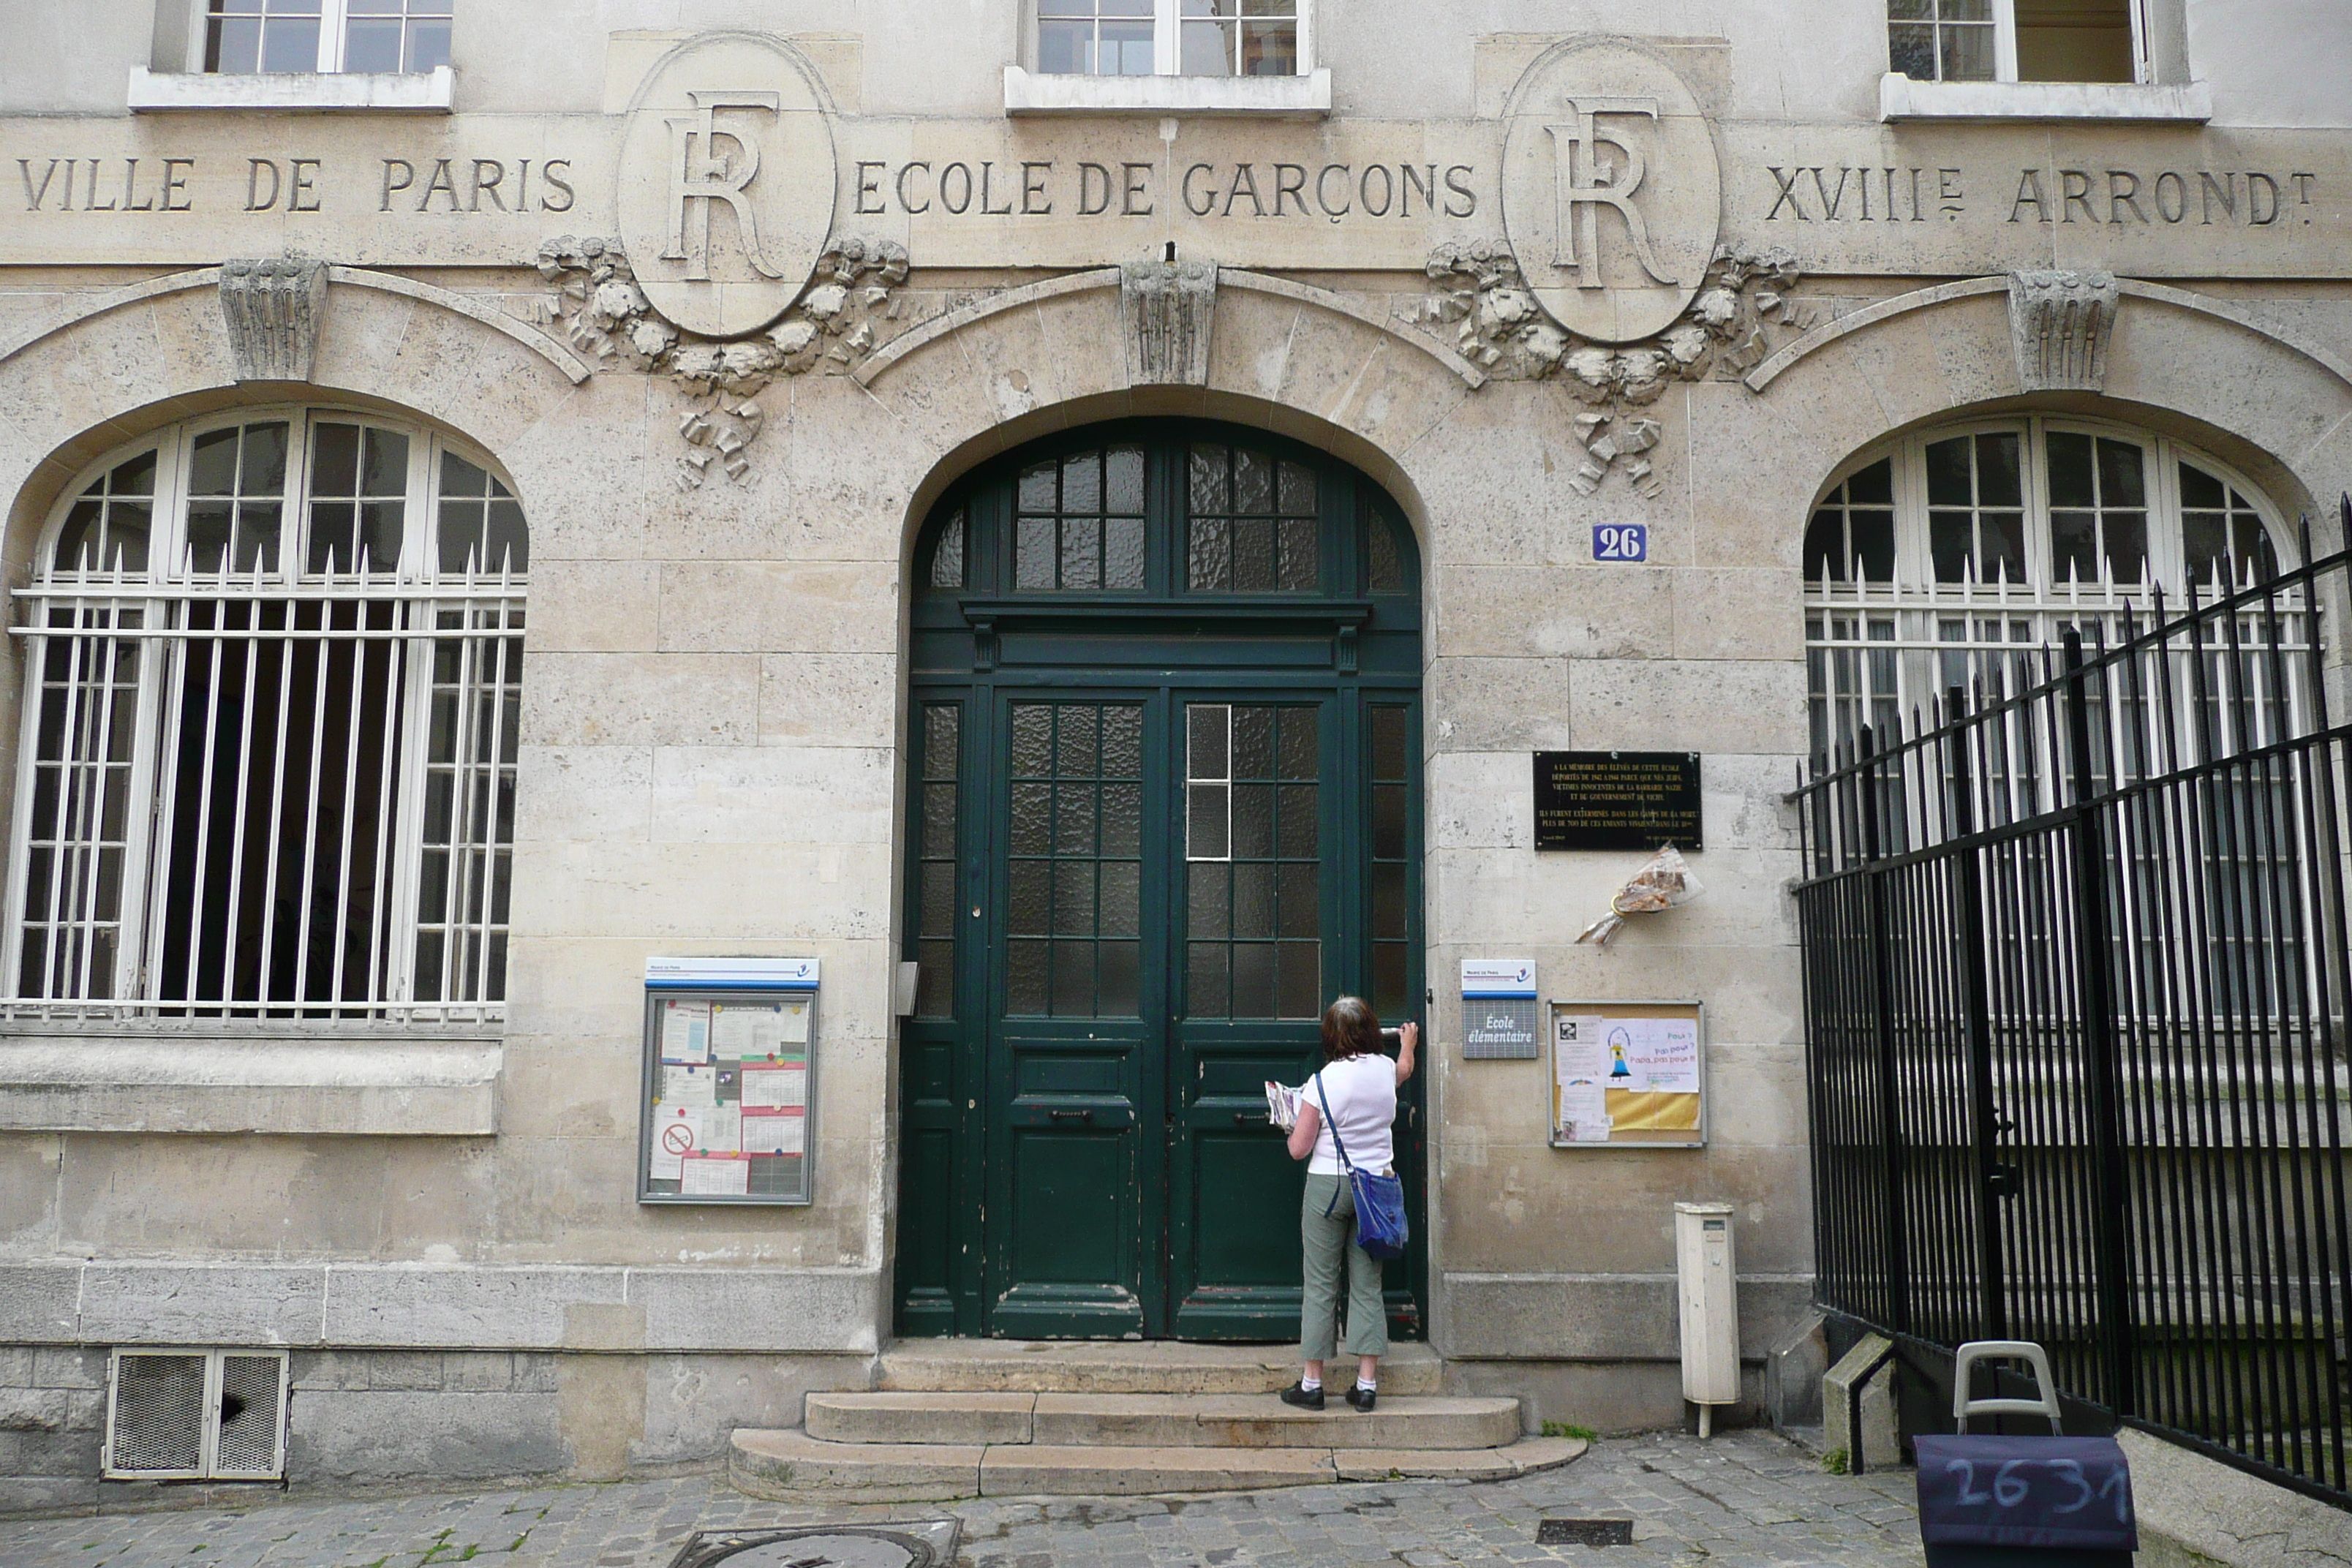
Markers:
(1076, 863)
(1253, 945)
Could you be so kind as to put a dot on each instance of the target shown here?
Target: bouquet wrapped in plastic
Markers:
(1663, 881)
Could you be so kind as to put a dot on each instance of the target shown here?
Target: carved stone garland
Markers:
(832, 327)
(1498, 325)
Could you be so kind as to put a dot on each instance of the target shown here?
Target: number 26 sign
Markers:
(1621, 542)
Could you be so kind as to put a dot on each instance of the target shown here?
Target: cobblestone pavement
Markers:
(1746, 1498)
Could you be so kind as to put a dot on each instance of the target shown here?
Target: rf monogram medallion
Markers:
(1611, 192)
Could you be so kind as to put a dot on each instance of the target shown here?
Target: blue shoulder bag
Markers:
(1379, 1200)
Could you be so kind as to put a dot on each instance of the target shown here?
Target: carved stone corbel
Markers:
(1169, 308)
(2059, 324)
(272, 309)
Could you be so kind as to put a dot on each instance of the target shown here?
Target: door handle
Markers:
(1071, 1115)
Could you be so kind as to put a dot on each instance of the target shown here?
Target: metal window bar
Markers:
(2077, 973)
(271, 721)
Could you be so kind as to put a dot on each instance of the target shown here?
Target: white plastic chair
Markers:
(1964, 1361)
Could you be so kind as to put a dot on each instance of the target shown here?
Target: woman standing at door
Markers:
(1358, 1082)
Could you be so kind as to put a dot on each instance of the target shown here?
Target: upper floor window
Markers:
(1168, 37)
(371, 37)
(272, 681)
(2020, 40)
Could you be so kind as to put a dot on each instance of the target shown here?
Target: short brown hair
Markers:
(1350, 1028)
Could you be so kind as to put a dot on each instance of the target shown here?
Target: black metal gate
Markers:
(2075, 990)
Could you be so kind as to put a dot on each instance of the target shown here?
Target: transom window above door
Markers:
(1202, 516)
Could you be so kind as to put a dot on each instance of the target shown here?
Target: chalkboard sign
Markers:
(1618, 800)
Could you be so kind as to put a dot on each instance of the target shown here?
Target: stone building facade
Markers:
(501, 492)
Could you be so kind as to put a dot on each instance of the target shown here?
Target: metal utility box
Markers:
(1707, 1276)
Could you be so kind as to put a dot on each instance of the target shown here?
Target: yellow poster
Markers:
(1639, 1110)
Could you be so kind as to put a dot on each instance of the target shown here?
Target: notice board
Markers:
(729, 1065)
(1628, 1075)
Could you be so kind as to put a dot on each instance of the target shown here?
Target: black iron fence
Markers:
(2075, 989)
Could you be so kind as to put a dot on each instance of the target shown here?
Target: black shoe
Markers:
(1363, 1398)
(1306, 1398)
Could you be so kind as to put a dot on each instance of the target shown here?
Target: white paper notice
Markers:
(1584, 1112)
(684, 1031)
(1577, 1049)
(747, 1030)
(1580, 1061)
(689, 1086)
(793, 1023)
(775, 1132)
(716, 1175)
(775, 1087)
(722, 1128)
(677, 1133)
(730, 1030)
(1656, 1054)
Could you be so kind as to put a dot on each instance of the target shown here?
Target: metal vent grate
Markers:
(186, 1415)
(158, 1427)
(252, 1395)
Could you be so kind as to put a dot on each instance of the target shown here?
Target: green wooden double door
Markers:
(1151, 837)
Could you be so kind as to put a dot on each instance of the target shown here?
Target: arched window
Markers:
(267, 768)
(1949, 558)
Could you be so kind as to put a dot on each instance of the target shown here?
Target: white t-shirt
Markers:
(1363, 1095)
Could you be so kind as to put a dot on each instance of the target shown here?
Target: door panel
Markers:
(1260, 900)
(1073, 1078)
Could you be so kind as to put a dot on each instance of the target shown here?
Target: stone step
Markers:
(1127, 1366)
(1160, 1420)
(792, 1467)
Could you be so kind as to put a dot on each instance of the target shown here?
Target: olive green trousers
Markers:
(1325, 1240)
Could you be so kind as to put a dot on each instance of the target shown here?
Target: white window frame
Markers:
(1894, 631)
(1168, 90)
(2004, 46)
(333, 18)
(2143, 100)
(329, 87)
(1915, 565)
(157, 595)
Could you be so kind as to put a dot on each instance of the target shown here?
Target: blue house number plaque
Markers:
(1621, 542)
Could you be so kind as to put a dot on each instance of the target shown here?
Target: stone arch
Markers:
(107, 377)
(133, 362)
(2279, 411)
(1340, 380)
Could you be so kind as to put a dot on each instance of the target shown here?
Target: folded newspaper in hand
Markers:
(1281, 1104)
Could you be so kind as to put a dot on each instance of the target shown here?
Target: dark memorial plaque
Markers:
(1617, 800)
